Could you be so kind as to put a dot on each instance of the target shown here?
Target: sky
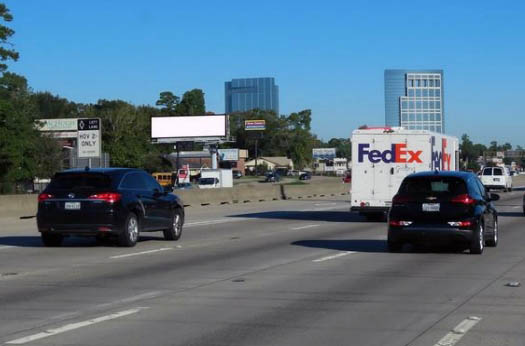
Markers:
(327, 56)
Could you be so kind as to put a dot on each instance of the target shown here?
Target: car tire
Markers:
(52, 240)
(477, 243)
(131, 231)
(493, 242)
(175, 231)
(394, 246)
(510, 189)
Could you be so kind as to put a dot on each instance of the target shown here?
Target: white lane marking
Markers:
(327, 208)
(327, 258)
(304, 227)
(6, 247)
(141, 253)
(213, 222)
(73, 326)
(457, 333)
(517, 207)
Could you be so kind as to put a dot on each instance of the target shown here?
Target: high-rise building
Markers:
(245, 94)
(414, 99)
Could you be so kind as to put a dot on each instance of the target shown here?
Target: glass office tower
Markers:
(245, 94)
(414, 99)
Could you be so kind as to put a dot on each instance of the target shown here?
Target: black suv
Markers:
(108, 202)
(453, 207)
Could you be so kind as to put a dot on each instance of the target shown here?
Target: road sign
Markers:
(251, 125)
(88, 140)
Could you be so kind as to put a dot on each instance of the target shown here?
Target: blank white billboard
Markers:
(188, 126)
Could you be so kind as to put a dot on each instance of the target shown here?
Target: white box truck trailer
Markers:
(383, 157)
(215, 178)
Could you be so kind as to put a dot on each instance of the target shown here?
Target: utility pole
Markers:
(256, 167)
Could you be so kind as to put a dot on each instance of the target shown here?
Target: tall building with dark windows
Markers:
(414, 99)
(245, 94)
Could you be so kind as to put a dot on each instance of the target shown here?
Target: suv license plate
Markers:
(72, 205)
(431, 207)
(496, 179)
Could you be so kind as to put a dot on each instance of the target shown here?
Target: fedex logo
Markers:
(397, 154)
(441, 160)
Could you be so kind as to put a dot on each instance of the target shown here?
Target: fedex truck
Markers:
(383, 157)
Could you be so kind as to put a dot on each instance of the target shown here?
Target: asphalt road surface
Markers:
(301, 272)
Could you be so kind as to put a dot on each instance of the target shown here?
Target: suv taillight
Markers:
(463, 199)
(401, 199)
(110, 197)
(43, 196)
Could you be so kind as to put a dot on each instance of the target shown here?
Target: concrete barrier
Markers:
(315, 190)
(18, 205)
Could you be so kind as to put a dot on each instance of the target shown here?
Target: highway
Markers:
(295, 272)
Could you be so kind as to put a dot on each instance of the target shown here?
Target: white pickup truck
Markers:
(496, 178)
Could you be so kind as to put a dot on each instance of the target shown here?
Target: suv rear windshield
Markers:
(433, 186)
(68, 181)
(498, 171)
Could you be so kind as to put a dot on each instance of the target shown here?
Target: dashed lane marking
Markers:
(327, 258)
(457, 333)
(304, 227)
(73, 326)
(141, 253)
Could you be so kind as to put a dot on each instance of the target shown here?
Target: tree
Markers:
(5, 34)
(169, 102)
(192, 103)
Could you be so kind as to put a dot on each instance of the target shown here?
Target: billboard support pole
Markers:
(256, 167)
(213, 149)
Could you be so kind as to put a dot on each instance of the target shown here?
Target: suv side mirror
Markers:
(493, 197)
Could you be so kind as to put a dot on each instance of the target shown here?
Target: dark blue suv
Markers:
(109, 202)
(451, 207)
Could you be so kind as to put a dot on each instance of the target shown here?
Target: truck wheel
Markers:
(130, 233)
(52, 240)
(477, 243)
(175, 231)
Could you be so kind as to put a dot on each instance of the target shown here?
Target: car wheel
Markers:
(394, 246)
(175, 231)
(52, 240)
(477, 244)
(131, 231)
(510, 189)
(493, 242)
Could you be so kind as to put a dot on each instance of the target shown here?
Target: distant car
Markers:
(305, 176)
(272, 178)
(236, 174)
(452, 207)
(496, 178)
(107, 202)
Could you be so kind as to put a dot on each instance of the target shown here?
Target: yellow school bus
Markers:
(164, 178)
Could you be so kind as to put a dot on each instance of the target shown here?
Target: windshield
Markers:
(433, 186)
(67, 181)
(207, 181)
